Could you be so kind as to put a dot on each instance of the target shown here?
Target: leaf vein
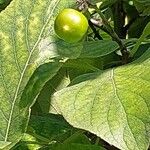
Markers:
(116, 93)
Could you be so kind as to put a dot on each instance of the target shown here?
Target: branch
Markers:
(119, 19)
(108, 29)
(95, 31)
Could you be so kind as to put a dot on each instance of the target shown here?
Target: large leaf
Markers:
(24, 24)
(114, 104)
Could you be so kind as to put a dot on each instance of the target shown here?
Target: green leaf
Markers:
(87, 49)
(2, 1)
(145, 33)
(73, 146)
(143, 6)
(47, 130)
(41, 75)
(24, 24)
(50, 127)
(28, 142)
(4, 4)
(76, 141)
(113, 104)
(95, 49)
(84, 64)
(77, 137)
(57, 48)
(43, 102)
(107, 3)
(137, 27)
(103, 3)
(4, 144)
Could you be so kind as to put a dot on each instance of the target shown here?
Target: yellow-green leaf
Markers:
(114, 104)
(23, 25)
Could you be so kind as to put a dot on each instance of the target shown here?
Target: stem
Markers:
(95, 31)
(119, 19)
(107, 28)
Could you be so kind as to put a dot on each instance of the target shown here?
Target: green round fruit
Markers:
(70, 25)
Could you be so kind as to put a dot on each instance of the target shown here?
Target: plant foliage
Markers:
(90, 95)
